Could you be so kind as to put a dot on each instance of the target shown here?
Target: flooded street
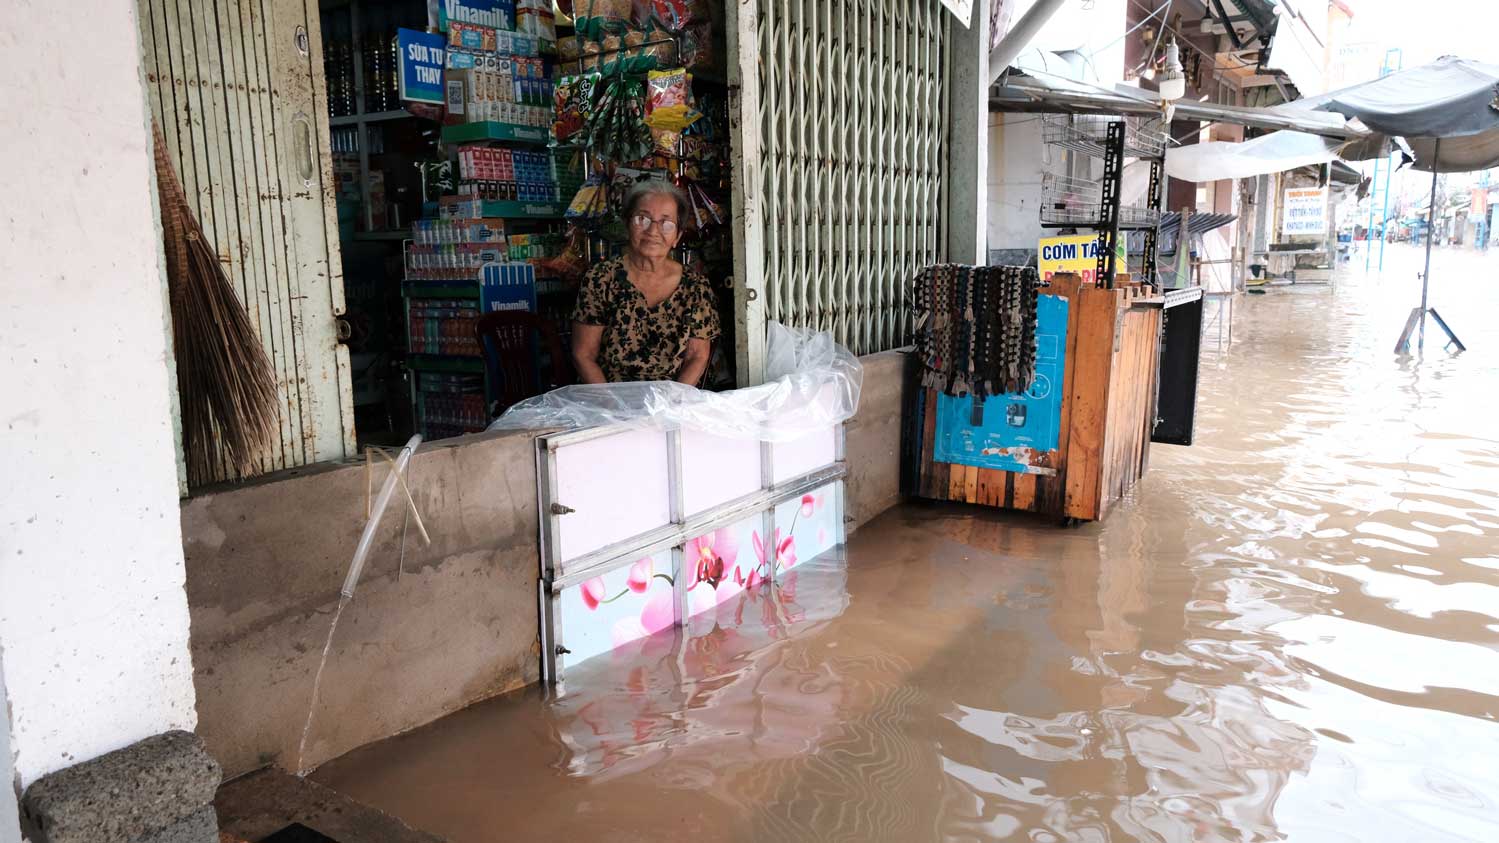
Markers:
(1289, 631)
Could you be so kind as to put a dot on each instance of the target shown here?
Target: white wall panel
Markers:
(800, 456)
(617, 487)
(717, 470)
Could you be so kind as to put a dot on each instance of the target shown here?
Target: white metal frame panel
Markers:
(839, 165)
(567, 468)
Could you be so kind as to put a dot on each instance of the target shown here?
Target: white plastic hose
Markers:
(367, 538)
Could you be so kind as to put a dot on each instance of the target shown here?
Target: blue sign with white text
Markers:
(1011, 427)
(422, 59)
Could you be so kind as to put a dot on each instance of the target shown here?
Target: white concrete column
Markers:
(93, 615)
(968, 139)
(10, 822)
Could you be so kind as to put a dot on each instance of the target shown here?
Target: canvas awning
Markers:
(1044, 93)
(1452, 101)
(1272, 153)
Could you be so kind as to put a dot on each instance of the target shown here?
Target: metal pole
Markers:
(1020, 36)
(1431, 218)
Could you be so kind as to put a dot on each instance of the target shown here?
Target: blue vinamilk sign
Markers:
(422, 57)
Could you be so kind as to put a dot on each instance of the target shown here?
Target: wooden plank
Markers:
(1152, 366)
(1051, 491)
(1090, 401)
(971, 484)
(1024, 492)
(987, 478)
(1007, 492)
(956, 483)
(929, 483)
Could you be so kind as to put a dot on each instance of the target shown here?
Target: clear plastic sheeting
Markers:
(811, 383)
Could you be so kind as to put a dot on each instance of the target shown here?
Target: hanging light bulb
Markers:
(1173, 79)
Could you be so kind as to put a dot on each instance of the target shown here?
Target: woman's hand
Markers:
(586, 342)
(695, 361)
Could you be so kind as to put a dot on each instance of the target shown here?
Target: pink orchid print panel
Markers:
(807, 527)
(618, 607)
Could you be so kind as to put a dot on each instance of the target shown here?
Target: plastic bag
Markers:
(811, 384)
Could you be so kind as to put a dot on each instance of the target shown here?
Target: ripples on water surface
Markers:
(1288, 632)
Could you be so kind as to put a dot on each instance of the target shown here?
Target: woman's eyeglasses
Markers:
(643, 222)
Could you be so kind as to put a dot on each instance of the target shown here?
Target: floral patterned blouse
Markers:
(644, 343)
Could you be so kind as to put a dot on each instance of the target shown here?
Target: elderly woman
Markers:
(642, 316)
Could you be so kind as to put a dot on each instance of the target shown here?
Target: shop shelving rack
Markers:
(1071, 202)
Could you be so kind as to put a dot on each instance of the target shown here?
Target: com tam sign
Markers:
(1075, 253)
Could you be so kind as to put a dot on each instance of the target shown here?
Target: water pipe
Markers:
(367, 538)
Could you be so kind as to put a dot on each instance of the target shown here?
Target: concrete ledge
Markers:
(872, 439)
(263, 803)
(430, 630)
(145, 789)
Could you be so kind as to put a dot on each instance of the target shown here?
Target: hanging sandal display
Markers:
(976, 328)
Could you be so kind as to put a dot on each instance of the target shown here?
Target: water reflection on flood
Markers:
(1291, 631)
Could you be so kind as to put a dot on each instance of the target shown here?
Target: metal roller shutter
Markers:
(852, 150)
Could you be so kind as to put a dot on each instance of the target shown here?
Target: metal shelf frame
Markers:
(1071, 202)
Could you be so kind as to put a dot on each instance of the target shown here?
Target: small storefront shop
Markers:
(378, 177)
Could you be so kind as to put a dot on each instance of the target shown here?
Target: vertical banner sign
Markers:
(961, 9)
(1305, 211)
(422, 55)
(1074, 253)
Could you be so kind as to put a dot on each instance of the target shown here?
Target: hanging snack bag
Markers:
(616, 127)
(669, 103)
(595, 17)
(665, 140)
(673, 15)
(590, 202)
(697, 46)
(572, 102)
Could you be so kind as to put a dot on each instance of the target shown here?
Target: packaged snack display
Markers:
(616, 128)
(670, 102)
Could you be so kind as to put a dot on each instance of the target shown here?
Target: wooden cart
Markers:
(1108, 411)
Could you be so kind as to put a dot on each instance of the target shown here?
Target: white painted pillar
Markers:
(93, 612)
(968, 139)
(10, 822)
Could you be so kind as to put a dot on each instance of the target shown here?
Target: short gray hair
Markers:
(645, 188)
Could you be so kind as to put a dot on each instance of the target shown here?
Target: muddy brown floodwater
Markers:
(1289, 631)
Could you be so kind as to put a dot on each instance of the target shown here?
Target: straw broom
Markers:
(230, 405)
